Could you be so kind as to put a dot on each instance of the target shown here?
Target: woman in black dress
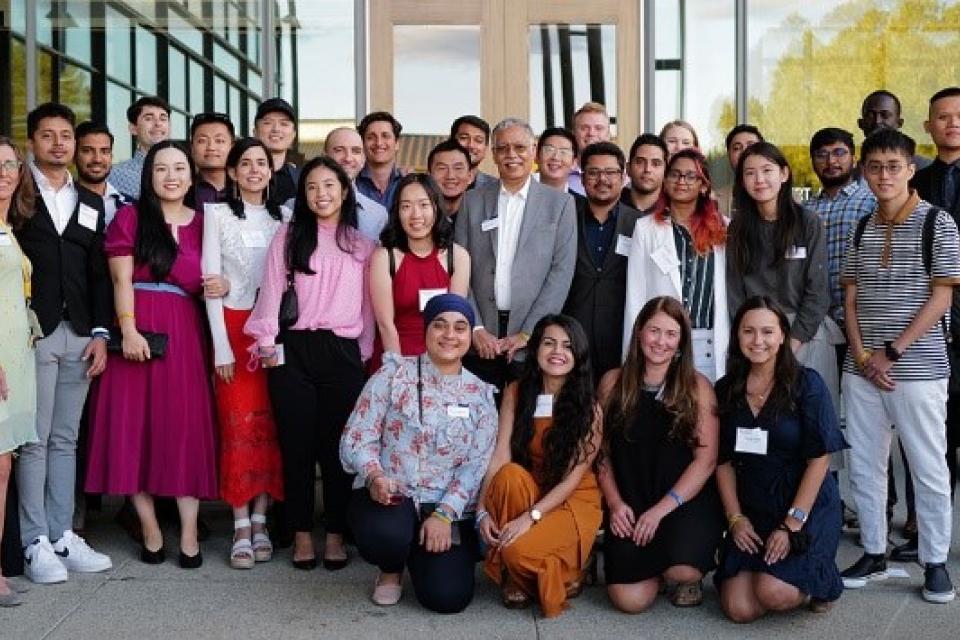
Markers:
(777, 431)
(660, 450)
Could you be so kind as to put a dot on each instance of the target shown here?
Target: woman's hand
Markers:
(225, 371)
(135, 347)
(435, 535)
(777, 547)
(646, 527)
(215, 286)
(489, 532)
(268, 357)
(381, 489)
(745, 537)
(514, 529)
(622, 520)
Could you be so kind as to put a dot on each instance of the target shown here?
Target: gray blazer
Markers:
(544, 263)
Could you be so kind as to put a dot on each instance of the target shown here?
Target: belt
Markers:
(164, 287)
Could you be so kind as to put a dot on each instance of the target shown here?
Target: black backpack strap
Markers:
(450, 260)
(926, 239)
(392, 261)
(861, 228)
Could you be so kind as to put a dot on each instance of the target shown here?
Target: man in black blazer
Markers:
(72, 299)
(604, 231)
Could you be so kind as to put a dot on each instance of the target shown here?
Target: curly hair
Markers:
(569, 441)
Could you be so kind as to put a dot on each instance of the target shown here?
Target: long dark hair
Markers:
(568, 442)
(394, 237)
(155, 245)
(706, 224)
(302, 234)
(24, 196)
(745, 227)
(679, 396)
(786, 368)
(233, 190)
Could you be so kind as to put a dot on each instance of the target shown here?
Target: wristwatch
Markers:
(536, 515)
(798, 514)
(891, 351)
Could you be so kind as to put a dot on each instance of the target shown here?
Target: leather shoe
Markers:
(906, 552)
(152, 557)
(308, 564)
(190, 562)
(910, 528)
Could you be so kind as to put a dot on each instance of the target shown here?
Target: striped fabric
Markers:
(696, 279)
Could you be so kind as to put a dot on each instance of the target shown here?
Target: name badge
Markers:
(664, 259)
(87, 217)
(458, 411)
(490, 225)
(751, 441)
(623, 245)
(544, 406)
(5, 239)
(426, 294)
(796, 253)
(253, 238)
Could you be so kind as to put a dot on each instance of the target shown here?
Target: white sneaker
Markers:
(41, 564)
(76, 554)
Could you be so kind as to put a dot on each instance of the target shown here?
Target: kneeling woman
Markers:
(419, 441)
(777, 431)
(660, 451)
(539, 511)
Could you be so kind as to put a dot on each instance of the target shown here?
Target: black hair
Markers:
(473, 121)
(648, 139)
(89, 128)
(947, 92)
(212, 117)
(831, 135)
(379, 116)
(133, 111)
(450, 144)
(394, 237)
(888, 140)
(744, 234)
(569, 441)
(878, 93)
(154, 245)
(603, 149)
(231, 188)
(737, 130)
(49, 110)
(302, 234)
(549, 132)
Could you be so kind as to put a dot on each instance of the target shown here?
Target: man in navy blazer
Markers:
(522, 240)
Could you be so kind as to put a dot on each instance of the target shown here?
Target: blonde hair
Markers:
(590, 107)
(24, 196)
(683, 124)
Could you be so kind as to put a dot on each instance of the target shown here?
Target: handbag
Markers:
(289, 304)
(157, 343)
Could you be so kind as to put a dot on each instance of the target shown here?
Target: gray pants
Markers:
(46, 471)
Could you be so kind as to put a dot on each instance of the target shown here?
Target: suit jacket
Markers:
(544, 262)
(69, 270)
(598, 292)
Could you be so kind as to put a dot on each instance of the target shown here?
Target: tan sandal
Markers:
(511, 594)
(688, 594)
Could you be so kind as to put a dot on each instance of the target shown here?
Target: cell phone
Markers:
(281, 357)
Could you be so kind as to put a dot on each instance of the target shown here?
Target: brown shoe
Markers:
(513, 596)
(816, 605)
(910, 528)
(688, 594)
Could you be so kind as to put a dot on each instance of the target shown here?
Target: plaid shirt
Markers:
(840, 216)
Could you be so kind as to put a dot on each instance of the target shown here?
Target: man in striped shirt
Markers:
(897, 293)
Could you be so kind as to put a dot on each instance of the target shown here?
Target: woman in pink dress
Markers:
(152, 416)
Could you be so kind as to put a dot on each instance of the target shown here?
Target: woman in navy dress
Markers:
(777, 431)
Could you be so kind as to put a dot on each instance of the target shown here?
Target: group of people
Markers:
(484, 368)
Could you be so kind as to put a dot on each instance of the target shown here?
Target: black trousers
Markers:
(11, 553)
(312, 396)
(389, 537)
(497, 371)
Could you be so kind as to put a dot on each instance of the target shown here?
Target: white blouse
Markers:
(237, 250)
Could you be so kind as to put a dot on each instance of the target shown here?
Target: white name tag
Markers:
(796, 253)
(751, 441)
(253, 238)
(664, 259)
(544, 406)
(458, 411)
(5, 239)
(426, 294)
(87, 217)
(623, 245)
(489, 225)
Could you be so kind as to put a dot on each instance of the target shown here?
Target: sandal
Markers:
(512, 595)
(241, 553)
(688, 594)
(262, 547)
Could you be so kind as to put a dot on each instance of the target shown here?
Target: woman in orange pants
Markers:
(539, 509)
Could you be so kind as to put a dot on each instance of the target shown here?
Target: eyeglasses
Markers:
(838, 154)
(689, 177)
(10, 166)
(595, 174)
(518, 149)
(549, 151)
(893, 169)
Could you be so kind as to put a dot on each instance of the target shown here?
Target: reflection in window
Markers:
(571, 65)
(117, 121)
(219, 94)
(46, 79)
(74, 88)
(226, 61)
(185, 32)
(45, 17)
(178, 125)
(75, 21)
(146, 61)
(177, 78)
(18, 111)
(196, 88)
(118, 45)
(324, 33)
(436, 71)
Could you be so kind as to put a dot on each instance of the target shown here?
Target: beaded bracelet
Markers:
(676, 496)
(439, 514)
(734, 519)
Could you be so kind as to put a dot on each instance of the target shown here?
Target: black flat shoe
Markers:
(152, 557)
(308, 564)
(335, 565)
(190, 562)
(907, 552)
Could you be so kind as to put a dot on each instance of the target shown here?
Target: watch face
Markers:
(536, 515)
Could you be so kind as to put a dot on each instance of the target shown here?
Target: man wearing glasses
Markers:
(896, 298)
(512, 288)
(557, 150)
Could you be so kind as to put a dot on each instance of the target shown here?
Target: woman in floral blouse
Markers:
(419, 441)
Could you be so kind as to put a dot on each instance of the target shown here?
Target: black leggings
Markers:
(389, 537)
(312, 396)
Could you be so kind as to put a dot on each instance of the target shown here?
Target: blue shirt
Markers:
(126, 175)
(600, 237)
(366, 186)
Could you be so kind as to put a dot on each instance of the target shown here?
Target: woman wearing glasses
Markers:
(679, 251)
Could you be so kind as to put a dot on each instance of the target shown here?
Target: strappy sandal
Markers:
(241, 553)
(262, 546)
(512, 595)
(688, 594)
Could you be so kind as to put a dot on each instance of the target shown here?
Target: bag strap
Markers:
(392, 261)
(861, 229)
(450, 260)
(420, 387)
(926, 240)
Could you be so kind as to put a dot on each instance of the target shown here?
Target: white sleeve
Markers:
(211, 264)
(636, 287)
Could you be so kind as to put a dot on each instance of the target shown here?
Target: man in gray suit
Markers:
(521, 236)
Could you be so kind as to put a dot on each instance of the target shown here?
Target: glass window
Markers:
(668, 90)
(325, 41)
(668, 74)
(117, 38)
(430, 64)
(75, 21)
(18, 112)
(709, 73)
(146, 61)
(46, 79)
(219, 94)
(178, 125)
(44, 9)
(182, 30)
(226, 61)
(197, 103)
(74, 87)
(117, 121)
(254, 81)
(234, 104)
(18, 17)
(177, 78)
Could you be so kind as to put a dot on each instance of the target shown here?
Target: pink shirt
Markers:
(335, 297)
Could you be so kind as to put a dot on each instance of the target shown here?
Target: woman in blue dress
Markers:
(777, 431)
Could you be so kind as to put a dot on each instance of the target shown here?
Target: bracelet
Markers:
(126, 314)
(862, 360)
(676, 496)
(439, 514)
(267, 352)
(734, 519)
(481, 515)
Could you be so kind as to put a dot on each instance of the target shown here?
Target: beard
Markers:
(89, 179)
(829, 182)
